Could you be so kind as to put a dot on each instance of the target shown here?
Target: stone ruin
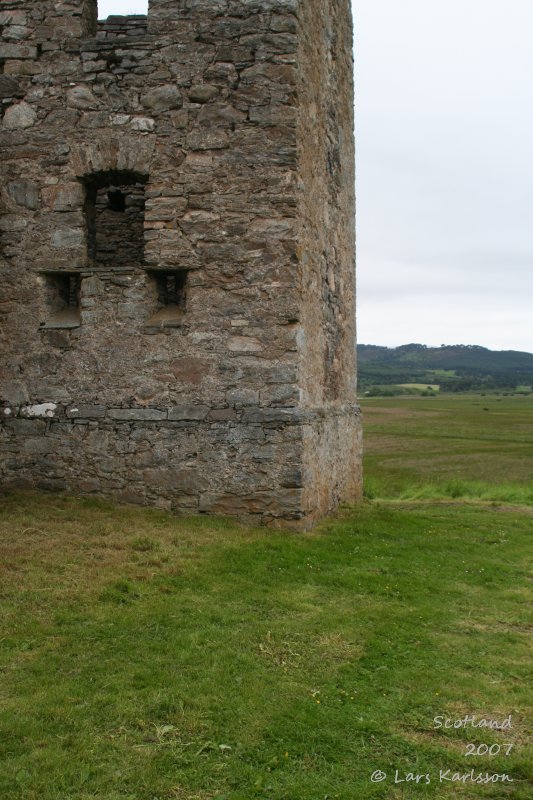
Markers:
(177, 301)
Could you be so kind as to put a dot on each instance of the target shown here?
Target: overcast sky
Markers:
(106, 7)
(444, 110)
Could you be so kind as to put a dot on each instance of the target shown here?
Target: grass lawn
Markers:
(149, 658)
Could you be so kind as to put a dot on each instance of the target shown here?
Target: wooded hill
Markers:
(453, 368)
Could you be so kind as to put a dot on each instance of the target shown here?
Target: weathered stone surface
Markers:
(24, 193)
(142, 124)
(19, 117)
(25, 427)
(67, 238)
(59, 339)
(44, 410)
(202, 93)
(82, 98)
(242, 397)
(285, 503)
(16, 51)
(220, 114)
(189, 370)
(286, 416)
(38, 446)
(63, 197)
(13, 17)
(188, 412)
(19, 32)
(85, 411)
(137, 414)
(222, 414)
(162, 98)
(10, 223)
(176, 265)
(15, 393)
(244, 344)
(9, 87)
(188, 481)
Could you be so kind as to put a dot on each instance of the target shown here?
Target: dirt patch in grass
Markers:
(334, 647)
(435, 738)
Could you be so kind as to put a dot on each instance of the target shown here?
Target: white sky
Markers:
(107, 7)
(444, 126)
(444, 109)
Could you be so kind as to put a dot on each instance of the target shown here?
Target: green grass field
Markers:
(434, 386)
(451, 446)
(144, 657)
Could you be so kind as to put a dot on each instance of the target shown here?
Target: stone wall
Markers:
(177, 254)
(326, 252)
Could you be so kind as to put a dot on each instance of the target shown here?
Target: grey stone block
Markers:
(9, 87)
(288, 416)
(136, 414)
(9, 50)
(19, 117)
(26, 427)
(202, 93)
(81, 97)
(222, 414)
(24, 193)
(37, 446)
(68, 238)
(162, 98)
(189, 412)
(242, 397)
(84, 411)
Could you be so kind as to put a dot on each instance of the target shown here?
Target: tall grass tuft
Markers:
(458, 488)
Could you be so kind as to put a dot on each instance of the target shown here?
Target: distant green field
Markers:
(443, 373)
(455, 446)
(434, 386)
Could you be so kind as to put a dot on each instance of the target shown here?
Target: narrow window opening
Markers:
(171, 298)
(62, 295)
(171, 288)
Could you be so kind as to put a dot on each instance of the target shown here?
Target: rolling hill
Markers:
(452, 367)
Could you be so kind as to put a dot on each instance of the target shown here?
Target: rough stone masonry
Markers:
(177, 300)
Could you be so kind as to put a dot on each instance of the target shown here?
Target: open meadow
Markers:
(145, 657)
(450, 446)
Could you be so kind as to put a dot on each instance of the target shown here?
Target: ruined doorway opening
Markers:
(114, 214)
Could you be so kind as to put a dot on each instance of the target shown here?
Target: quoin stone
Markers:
(177, 255)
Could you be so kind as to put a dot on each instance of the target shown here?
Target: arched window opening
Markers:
(114, 212)
(108, 8)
